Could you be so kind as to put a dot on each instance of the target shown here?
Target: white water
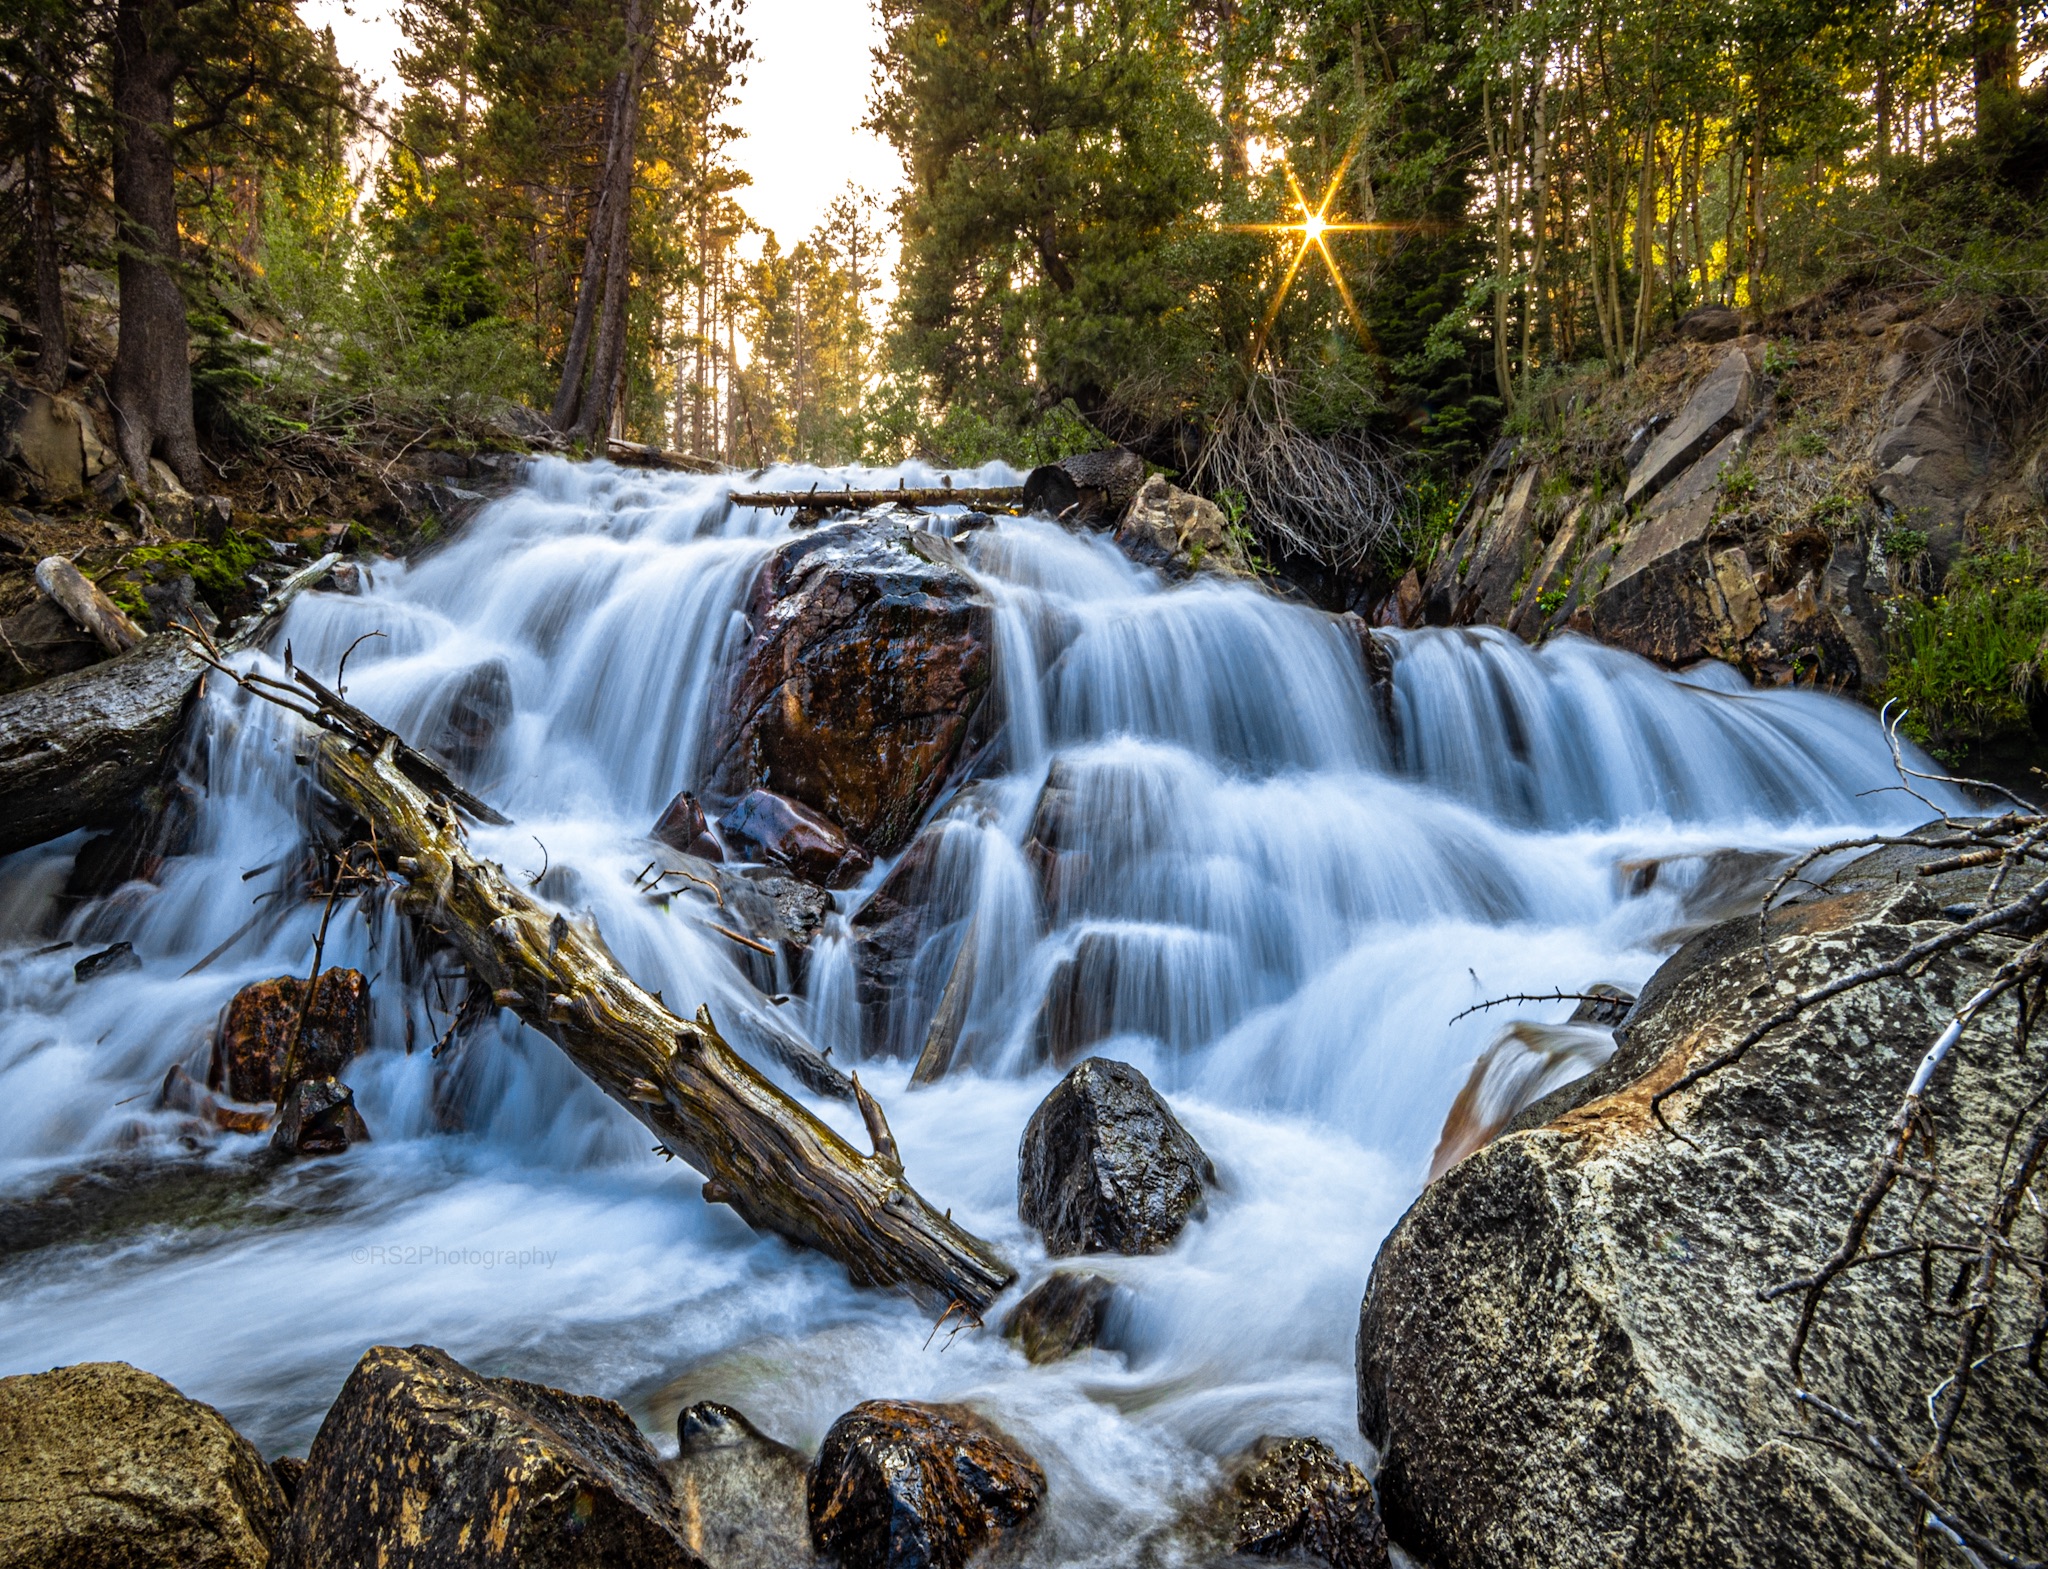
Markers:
(1275, 903)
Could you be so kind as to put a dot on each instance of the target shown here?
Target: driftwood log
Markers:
(777, 1165)
(816, 503)
(75, 749)
(80, 598)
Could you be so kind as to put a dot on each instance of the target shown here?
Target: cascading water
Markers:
(1199, 843)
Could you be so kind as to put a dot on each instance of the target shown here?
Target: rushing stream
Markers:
(1276, 902)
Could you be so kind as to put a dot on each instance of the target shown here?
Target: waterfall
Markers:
(1201, 842)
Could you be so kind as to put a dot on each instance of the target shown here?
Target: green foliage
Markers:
(219, 571)
(1738, 485)
(1964, 662)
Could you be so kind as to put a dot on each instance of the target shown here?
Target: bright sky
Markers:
(801, 108)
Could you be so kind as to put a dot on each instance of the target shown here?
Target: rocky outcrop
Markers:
(1063, 1314)
(1180, 534)
(683, 826)
(1298, 1499)
(422, 1463)
(901, 1485)
(1933, 463)
(1105, 1167)
(248, 1062)
(1717, 406)
(108, 1465)
(764, 826)
(1564, 1355)
(49, 448)
(739, 1492)
(869, 659)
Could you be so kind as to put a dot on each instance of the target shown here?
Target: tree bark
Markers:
(152, 385)
(54, 359)
(779, 1167)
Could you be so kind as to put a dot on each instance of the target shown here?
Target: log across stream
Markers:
(1196, 846)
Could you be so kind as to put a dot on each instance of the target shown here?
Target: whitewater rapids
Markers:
(1284, 898)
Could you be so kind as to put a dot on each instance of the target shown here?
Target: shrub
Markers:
(1964, 662)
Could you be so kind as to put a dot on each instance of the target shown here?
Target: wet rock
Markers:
(106, 1465)
(1089, 489)
(1106, 1168)
(870, 657)
(1564, 1355)
(1298, 1499)
(769, 827)
(1604, 1005)
(467, 717)
(249, 1049)
(1716, 407)
(108, 961)
(1061, 1315)
(422, 1463)
(901, 1485)
(889, 931)
(159, 825)
(683, 826)
(318, 1117)
(1180, 534)
(181, 1092)
(1403, 605)
(1710, 324)
(740, 1494)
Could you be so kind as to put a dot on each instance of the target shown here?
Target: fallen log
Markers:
(778, 1166)
(75, 749)
(88, 607)
(635, 454)
(818, 502)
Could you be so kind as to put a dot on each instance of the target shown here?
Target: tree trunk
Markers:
(54, 359)
(594, 422)
(779, 1167)
(1995, 65)
(152, 386)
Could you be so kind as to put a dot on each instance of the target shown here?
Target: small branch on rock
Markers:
(1502, 1002)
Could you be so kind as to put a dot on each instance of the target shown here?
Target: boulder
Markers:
(683, 826)
(870, 654)
(249, 1048)
(469, 713)
(1106, 1168)
(1089, 489)
(1298, 1499)
(1064, 1313)
(318, 1116)
(42, 453)
(1564, 1354)
(902, 1485)
(769, 827)
(115, 960)
(1180, 534)
(1710, 324)
(1716, 407)
(108, 1465)
(739, 1492)
(422, 1463)
(1934, 461)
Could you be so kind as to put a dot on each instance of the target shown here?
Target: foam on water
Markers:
(1267, 891)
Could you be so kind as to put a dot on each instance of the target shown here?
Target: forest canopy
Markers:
(1103, 230)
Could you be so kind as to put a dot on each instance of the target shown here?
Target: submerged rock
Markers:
(107, 1465)
(1106, 1168)
(422, 1463)
(901, 1485)
(740, 1494)
(1062, 1314)
(1299, 1499)
(871, 653)
(249, 1051)
(771, 827)
(1564, 1356)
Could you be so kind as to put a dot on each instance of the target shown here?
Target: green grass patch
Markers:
(1963, 660)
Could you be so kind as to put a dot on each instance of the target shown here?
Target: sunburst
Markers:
(1314, 226)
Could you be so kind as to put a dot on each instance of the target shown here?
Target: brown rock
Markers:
(1710, 324)
(683, 826)
(105, 1465)
(870, 657)
(249, 1050)
(318, 1116)
(1403, 606)
(421, 1463)
(42, 454)
(770, 827)
(1062, 1314)
(1298, 1499)
(902, 1485)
